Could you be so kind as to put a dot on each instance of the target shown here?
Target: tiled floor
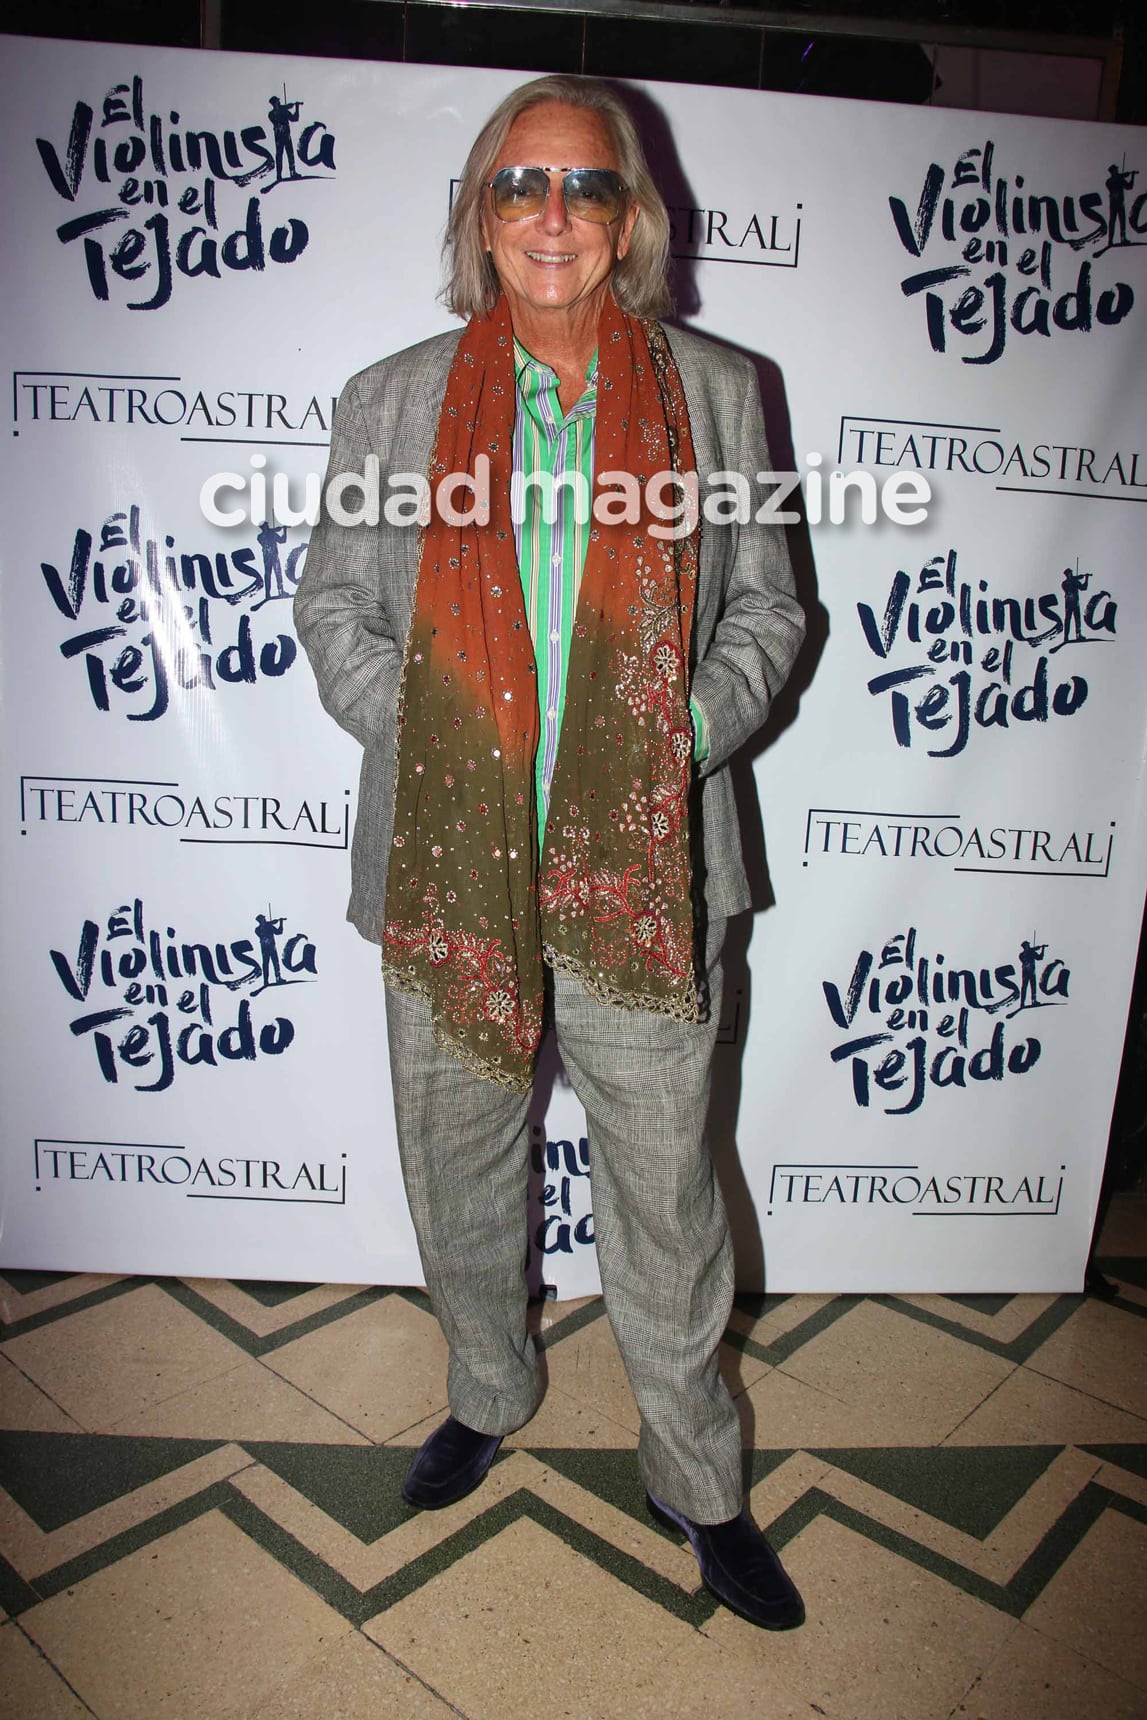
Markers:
(203, 1520)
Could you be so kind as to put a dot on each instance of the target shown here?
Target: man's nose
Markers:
(554, 218)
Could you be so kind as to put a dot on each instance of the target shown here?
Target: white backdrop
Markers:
(921, 1042)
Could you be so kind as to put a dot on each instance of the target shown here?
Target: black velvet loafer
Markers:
(453, 1461)
(739, 1567)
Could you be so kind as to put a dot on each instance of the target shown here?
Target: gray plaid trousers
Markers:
(662, 1237)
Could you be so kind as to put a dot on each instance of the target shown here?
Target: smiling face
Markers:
(554, 269)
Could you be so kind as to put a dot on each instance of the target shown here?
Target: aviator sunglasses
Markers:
(589, 193)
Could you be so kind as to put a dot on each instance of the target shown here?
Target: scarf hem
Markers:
(652, 1003)
(472, 1061)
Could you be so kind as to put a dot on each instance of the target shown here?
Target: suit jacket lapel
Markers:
(413, 445)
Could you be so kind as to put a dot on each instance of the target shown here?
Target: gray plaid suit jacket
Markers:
(354, 601)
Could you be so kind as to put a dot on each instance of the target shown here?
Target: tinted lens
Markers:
(519, 192)
(593, 193)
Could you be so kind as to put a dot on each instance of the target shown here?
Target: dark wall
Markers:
(734, 52)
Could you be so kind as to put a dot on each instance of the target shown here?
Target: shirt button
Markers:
(555, 637)
(551, 715)
(557, 560)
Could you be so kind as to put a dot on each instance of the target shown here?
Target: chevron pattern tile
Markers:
(201, 1514)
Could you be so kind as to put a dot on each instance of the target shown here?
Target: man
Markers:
(556, 840)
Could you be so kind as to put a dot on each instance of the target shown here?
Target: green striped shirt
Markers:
(551, 538)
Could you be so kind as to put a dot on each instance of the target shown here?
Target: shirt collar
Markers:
(535, 379)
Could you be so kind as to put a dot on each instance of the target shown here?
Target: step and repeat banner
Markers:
(921, 1036)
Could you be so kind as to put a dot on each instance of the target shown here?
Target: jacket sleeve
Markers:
(341, 615)
(762, 625)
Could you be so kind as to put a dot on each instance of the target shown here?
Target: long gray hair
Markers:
(640, 283)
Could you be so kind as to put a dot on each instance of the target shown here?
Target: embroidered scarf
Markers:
(472, 912)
